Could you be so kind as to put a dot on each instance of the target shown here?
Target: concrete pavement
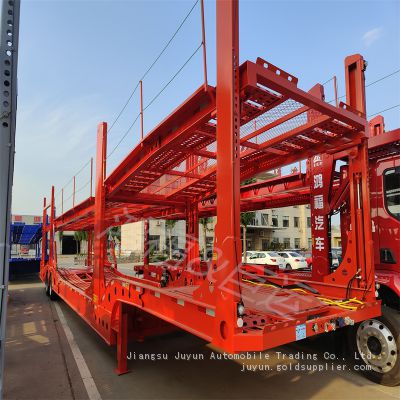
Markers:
(39, 364)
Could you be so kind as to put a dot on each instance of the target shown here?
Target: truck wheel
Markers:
(53, 295)
(376, 342)
(46, 286)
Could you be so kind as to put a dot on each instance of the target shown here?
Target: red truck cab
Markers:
(384, 161)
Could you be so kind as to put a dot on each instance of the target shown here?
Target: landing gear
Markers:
(376, 342)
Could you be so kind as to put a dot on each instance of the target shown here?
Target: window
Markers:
(296, 222)
(309, 243)
(286, 243)
(308, 222)
(391, 183)
(285, 222)
(297, 243)
(264, 219)
(174, 240)
(274, 220)
(154, 243)
(387, 256)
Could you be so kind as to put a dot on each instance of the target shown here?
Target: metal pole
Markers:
(91, 177)
(203, 35)
(141, 111)
(62, 201)
(335, 88)
(9, 31)
(73, 193)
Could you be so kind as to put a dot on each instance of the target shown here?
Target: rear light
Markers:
(297, 260)
(273, 259)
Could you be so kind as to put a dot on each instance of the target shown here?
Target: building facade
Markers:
(283, 228)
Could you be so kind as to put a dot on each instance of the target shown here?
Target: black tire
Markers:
(288, 267)
(377, 335)
(46, 286)
(52, 294)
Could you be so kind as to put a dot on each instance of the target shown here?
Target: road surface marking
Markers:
(87, 378)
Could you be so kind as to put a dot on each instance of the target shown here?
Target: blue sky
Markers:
(80, 60)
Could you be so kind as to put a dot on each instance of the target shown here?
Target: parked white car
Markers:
(293, 260)
(265, 258)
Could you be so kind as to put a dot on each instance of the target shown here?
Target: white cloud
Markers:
(372, 36)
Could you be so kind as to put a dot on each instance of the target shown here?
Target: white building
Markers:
(288, 227)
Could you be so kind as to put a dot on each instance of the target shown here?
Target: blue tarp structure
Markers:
(25, 234)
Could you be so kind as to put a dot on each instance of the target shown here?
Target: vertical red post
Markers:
(51, 238)
(192, 237)
(146, 234)
(355, 82)
(361, 224)
(227, 236)
(376, 126)
(321, 169)
(100, 236)
(203, 36)
(141, 111)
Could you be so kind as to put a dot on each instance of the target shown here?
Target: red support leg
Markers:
(228, 248)
(122, 341)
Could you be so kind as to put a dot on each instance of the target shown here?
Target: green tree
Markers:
(114, 234)
(204, 223)
(169, 225)
(246, 219)
(79, 236)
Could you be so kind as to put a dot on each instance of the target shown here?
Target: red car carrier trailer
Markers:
(202, 151)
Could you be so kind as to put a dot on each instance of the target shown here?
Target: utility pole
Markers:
(9, 30)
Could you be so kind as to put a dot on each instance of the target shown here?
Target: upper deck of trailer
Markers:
(176, 162)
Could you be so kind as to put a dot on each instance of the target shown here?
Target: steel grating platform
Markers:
(176, 161)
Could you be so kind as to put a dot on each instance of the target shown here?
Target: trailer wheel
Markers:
(53, 295)
(46, 286)
(376, 342)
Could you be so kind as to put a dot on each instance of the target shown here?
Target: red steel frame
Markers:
(172, 173)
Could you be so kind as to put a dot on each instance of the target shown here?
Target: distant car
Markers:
(249, 254)
(265, 258)
(293, 260)
(308, 256)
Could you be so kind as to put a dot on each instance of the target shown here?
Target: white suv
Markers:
(293, 260)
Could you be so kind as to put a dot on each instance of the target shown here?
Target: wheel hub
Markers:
(376, 345)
